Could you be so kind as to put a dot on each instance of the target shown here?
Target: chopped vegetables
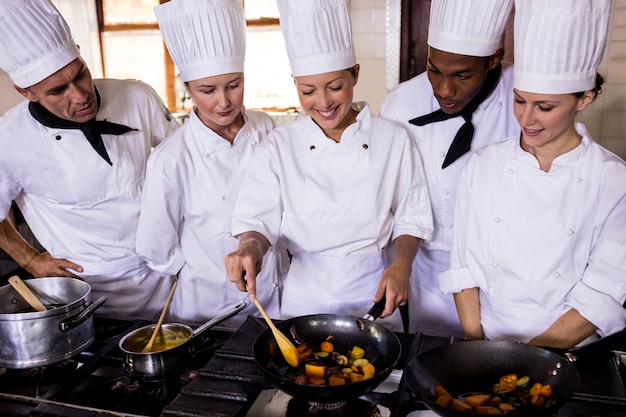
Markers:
(323, 365)
(509, 394)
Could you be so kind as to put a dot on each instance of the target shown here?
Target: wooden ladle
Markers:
(157, 328)
(287, 348)
(26, 293)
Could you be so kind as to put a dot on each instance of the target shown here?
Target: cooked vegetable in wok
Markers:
(509, 394)
(323, 365)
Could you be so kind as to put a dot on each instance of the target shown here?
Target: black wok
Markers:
(475, 365)
(382, 349)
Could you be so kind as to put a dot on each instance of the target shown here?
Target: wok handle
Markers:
(375, 310)
(72, 322)
(598, 348)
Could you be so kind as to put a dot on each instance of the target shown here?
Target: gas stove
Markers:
(225, 381)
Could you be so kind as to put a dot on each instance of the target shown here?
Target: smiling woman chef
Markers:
(334, 187)
(539, 249)
(77, 180)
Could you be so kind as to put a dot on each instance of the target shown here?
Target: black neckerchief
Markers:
(463, 140)
(92, 129)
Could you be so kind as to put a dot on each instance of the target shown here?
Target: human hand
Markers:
(243, 265)
(45, 265)
(394, 286)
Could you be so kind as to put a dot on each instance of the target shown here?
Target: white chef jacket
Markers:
(77, 205)
(191, 183)
(539, 243)
(335, 206)
(432, 312)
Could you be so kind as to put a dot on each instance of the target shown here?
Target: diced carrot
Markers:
(314, 371)
(444, 400)
(317, 381)
(477, 400)
(368, 370)
(327, 346)
(535, 389)
(460, 405)
(508, 382)
(356, 377)
(538, 400)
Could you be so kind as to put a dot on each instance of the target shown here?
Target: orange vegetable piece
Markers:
(368, 370)
(538, 400)
(327, 346)
(336, 380)
(477, 400)
(302, 348)
(444, 400)
(439, 391)
(546, 390)
(314, 371)
(460, 405)
(535, 389)
(356, 377)
(506, 407)
(487, 409)
(508, 382)
(317, 381)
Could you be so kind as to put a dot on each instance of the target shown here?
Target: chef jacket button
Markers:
(445, 192)
(312, 147)
(365, 146)
(254, 142)
(570, 232)
(205, 154)
(556, 275)
(228, 234)
(496, 220)
(495, 265)
(442, 154)
(509, 171)
(499, 104)
(577, 180)
(222, 198)
(58, 137)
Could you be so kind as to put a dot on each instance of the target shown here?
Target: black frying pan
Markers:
(475, 365)
(381, 345)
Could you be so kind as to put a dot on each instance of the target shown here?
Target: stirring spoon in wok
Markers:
(157, 328)
(287, 348)
(26, 293)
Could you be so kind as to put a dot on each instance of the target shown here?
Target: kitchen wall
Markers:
(376, 33)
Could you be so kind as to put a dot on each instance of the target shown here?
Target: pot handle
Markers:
(72, 322)
(598, 348)
(236, 309)
(375, 310)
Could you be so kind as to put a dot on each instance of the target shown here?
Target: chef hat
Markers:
(468, 27)
(204, 37)
(35, 41)
(559, 44)
(317, 35)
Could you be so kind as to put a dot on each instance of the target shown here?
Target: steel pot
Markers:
(381, 345)
(32, 339)
(172, 359)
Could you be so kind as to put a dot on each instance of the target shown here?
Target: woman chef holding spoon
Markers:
(336, 188)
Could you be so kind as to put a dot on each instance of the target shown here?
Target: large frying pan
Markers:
(469, 366)
(381, 345)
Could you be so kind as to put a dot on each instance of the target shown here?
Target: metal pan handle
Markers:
(72, 322)
(236, 309)
(375, 310)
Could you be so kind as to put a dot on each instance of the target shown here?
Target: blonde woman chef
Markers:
(336, 188)
(193, 178)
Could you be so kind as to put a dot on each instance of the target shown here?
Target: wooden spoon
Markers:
(287, 348)
(157, 328)
(26, 293)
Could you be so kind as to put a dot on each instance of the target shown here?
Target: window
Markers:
(132, 47)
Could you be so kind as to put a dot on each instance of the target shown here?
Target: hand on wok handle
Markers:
(394, 284)
(247, 261)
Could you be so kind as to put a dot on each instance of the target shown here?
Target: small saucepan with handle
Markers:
(172, 353)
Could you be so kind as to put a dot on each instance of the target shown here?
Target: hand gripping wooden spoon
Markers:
(157, 328)
(26, 293)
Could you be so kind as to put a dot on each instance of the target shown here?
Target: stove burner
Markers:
(300, 407)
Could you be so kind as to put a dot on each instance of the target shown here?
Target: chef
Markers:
(73, 159)
(334, 187)
(539, 249)
(192, 179)
(462, 102)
